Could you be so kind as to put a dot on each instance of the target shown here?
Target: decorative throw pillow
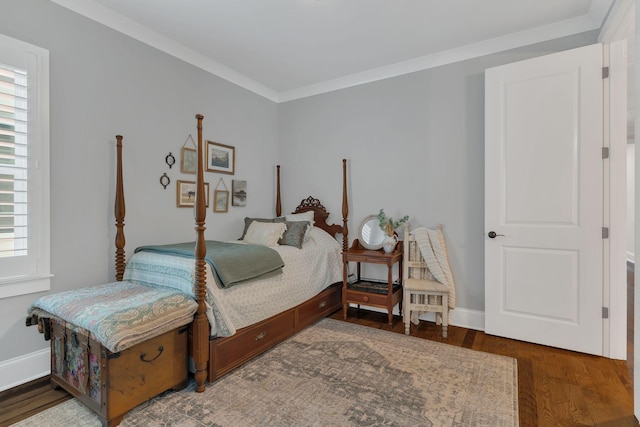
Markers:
(265, 233)
(294, 236)
(304, 216)
(248, 221)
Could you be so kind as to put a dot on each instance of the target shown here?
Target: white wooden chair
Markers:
(421, 292)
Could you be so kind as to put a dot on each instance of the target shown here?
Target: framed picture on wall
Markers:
(220, 201)
(220, 158)
(239, 190)
(189, 161)
(186, 194)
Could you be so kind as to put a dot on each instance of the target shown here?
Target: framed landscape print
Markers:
(220, 158)
(189, 160)
(239, 190)
(220, 201)
(186, 194)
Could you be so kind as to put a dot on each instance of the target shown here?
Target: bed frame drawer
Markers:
(231, 352)
(228, 353)
(321, 306)
(112, 384)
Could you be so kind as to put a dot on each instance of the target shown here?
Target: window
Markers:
(24, 168)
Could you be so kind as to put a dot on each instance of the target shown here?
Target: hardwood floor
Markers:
(28, 399)
(555, 387)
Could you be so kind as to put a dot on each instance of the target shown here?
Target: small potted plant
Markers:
(388, 226)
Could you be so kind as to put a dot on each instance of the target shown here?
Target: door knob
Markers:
(493, 234)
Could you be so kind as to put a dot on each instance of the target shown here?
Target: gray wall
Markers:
(102, 84)
(415, 146)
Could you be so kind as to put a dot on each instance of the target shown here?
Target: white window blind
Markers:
(24, 168)
(13, 162)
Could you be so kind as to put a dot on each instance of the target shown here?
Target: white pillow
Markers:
(265, 233)
(304, 216)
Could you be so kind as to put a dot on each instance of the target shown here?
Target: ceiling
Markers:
(288, 49)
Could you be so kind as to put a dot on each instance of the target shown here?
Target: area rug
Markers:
(336, 373)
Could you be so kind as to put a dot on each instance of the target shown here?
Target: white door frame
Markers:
(614, 33)
(615, 203)
(621, 24)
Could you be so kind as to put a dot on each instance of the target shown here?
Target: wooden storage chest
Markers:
(111, 384)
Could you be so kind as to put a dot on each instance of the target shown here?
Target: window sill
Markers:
(25, 286)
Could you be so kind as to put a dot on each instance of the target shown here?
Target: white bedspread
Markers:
(306, 273)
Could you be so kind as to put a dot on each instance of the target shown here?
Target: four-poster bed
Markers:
(218, 340)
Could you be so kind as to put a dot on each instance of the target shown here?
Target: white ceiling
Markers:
(287, 49)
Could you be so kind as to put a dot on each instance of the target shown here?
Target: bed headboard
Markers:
(320, 213)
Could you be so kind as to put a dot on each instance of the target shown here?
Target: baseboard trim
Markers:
(466, 318)
(462, 317)
(21, 370)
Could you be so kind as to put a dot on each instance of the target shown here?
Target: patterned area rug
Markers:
(339, 374)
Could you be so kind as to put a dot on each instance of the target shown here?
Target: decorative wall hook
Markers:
(165, 180)
(170, 160)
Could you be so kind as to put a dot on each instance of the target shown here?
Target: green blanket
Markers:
(232, 263)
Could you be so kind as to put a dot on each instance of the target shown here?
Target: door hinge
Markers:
(605, 72)
(605, 232)
(605, 152)
(605, 312)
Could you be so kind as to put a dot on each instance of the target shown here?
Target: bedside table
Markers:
(375, 294)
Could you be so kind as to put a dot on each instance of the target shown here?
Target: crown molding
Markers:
(499, 44)
(92, 10)
(124, 25)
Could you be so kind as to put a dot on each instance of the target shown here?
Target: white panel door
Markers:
(544, 200)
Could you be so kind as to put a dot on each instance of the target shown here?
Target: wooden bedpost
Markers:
(200, 325)
(278, 200)
(345, 208)
(119, 212)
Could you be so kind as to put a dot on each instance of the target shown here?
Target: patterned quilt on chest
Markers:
(118, 314)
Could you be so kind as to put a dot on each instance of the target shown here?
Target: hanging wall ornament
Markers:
(165, 180)
(170, 160)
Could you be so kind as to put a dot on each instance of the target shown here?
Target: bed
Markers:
(212, 326)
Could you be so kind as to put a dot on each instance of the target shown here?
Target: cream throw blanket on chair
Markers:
(434, 251)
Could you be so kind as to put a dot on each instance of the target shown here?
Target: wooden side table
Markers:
(375, 294)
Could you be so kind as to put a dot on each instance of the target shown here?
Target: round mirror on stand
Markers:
(369, 234)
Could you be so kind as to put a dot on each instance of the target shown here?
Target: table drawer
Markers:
(366, 298)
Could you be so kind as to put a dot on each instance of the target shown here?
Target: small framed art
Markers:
(186, 194)
(189, 161)
(239, 190)
(220, 201)
(220, 158)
